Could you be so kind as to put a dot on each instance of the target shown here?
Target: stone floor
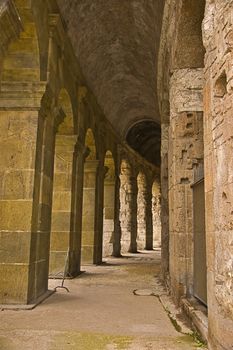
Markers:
(108, 308)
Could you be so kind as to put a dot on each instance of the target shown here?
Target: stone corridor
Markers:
(101, 312)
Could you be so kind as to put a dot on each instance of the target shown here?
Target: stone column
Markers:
(141, 211)
(128, 210)
(149, 220)
(156, 214)
(99, 207)
(27, 140)
(61, 213)
(164, 203)
(89, 212)
(185, 151)
(117, 223)
(144, 214)
(109, 202)
(80, 154)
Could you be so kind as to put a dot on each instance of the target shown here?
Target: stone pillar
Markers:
(61, 213)
(164, 203)
(109, 202)
(27, 145)
(128, 210)
(156, 214)
(141, 211)
(99, 207)
(218, 131)
(149, 220)
(185, 151)
(80, 154)
(117, 223)
(89, 211)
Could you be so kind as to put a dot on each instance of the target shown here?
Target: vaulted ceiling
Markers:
(116, 43)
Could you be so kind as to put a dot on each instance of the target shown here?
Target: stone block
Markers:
(61, 201)
(14, 283)
(88, 237)
(87, 254)
(15, 247)
(17, 184)
(61, 221)
(16, 215)
(59, 241)
(57, 261)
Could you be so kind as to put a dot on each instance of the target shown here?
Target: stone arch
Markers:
(109, 204)
(61, 228)
(144, 137)
(22, 61)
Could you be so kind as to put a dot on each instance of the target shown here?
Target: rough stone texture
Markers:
(128, 209)
(182, 22)
(109, 206)
(116, 43)
(61, 212)
(218, 41)
(141, 214)
(185, 153)
(117, 47)
(103, 291)
(156, 214)
(164, 204)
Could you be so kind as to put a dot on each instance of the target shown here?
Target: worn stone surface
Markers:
(101, 312)
(156, 214)
(189, 28)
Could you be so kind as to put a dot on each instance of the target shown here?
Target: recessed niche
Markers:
(220, 88)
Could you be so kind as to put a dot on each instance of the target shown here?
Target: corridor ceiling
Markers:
(116, 43)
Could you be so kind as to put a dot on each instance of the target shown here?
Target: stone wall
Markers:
(184, 81)
(218, 132)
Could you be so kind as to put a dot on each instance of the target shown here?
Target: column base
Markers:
(27, 306)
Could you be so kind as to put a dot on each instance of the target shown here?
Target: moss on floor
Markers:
(87, 341)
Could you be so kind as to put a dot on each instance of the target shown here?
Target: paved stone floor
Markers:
(101, 312)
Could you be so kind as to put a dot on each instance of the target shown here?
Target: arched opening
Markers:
(61, 228)
(156, 214)
(145, 138)
(109, 205)
(89, 241)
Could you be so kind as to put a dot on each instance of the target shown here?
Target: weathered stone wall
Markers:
(180, 86)
(185, 152)
(218, 131)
